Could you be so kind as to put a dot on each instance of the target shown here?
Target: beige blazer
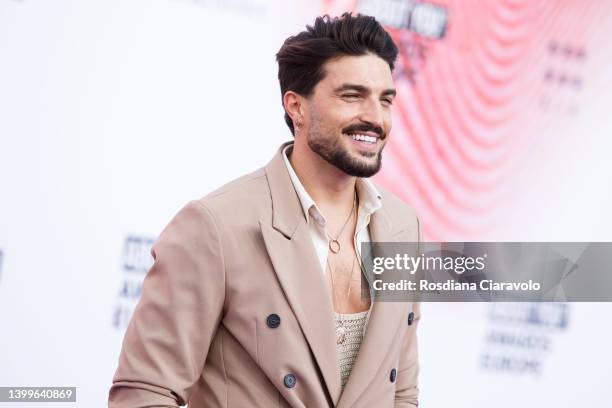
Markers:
(235, 311)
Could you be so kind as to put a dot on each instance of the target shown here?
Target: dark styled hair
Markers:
(301, 58)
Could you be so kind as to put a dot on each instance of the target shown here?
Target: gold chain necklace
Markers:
(334, 247)
(334, 244)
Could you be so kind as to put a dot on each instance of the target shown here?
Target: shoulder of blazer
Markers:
(247, 187)
(241, 202)
(249, 183)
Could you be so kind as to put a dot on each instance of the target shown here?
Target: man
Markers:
(254, 298)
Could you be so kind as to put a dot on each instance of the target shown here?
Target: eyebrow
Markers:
(361, 89)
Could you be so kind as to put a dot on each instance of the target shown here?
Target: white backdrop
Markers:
(114, 114)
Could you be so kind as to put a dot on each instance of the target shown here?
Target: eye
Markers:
(387, 101)
(351, 96)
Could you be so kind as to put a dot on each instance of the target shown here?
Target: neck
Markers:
(328, 186)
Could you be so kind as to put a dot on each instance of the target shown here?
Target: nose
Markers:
(373, 113)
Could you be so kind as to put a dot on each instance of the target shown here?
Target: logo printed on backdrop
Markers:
(136, 260)
(562, 78)
(520, 336)
(413, 27)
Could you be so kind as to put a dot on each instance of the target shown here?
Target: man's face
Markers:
(349, 113)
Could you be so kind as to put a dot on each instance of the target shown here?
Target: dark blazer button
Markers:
(393, 375)
(410, 318)
(273, 321)
(289, 381)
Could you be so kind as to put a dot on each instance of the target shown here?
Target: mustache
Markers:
(364, 127)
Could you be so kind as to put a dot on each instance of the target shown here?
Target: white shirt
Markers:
(370, 201)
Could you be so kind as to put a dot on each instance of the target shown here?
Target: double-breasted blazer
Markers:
(235, 311)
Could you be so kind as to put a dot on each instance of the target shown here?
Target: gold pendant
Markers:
(334, 246)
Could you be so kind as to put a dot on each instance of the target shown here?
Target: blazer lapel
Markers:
(382, 327)
(295, 262)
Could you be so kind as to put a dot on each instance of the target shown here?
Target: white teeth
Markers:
(364, 138)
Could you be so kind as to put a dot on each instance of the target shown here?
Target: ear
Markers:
(293, 104)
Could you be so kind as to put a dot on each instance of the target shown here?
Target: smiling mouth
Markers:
(363, 138)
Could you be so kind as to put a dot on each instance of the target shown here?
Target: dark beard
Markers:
(334, 154)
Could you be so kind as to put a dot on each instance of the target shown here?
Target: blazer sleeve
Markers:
(407, 390)
(167, 340)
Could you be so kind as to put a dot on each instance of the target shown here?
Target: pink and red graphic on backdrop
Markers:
(479, 83)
